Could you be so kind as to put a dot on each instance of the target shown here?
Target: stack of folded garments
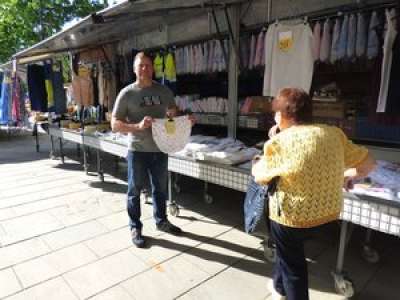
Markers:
(225, 151)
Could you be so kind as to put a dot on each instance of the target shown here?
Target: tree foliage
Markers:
(23, 23)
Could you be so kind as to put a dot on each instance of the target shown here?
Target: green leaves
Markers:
(23, 23)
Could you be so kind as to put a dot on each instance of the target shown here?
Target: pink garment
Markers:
(317, 40)
(246, 106)
(15, 114)
(258, 59)
(252, 51)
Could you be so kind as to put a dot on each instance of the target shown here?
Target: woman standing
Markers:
(312, 161)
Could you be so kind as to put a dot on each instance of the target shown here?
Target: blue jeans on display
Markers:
(141, 167)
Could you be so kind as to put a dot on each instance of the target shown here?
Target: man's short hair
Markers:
(298, 105)
(142, 54)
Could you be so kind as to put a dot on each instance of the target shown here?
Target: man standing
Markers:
(135, 107)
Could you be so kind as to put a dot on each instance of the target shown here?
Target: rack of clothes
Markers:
(46, 87)
(12, 99)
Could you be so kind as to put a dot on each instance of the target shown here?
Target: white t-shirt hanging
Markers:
(171, 135)
(289, 60)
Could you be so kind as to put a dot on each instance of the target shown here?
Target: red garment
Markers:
(16, 93)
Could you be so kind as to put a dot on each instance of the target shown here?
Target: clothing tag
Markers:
(170, 127)
(285, 40)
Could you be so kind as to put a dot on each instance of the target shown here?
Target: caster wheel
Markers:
(370, 255)
(208, 199)
(173, 210)
(269, 251)
(343, 286)
(177, 188)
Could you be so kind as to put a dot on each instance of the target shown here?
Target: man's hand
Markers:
(145, 123)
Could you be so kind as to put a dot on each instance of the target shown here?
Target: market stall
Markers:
(217, 58)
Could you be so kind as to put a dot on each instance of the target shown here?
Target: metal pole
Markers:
(233, 72)
(269, 10)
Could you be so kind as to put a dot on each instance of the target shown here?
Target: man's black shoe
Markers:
(137, 238)
(166, 226)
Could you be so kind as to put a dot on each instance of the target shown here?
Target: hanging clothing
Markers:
(335, 42)
(1, 80)
(37, 88)
(16, 100)
(211, 51)
(253, 45)
(344, 32)
(390, 37)
(351, 39)
(108, 84)
(289, 58)
(373, 42)
(258, 58)
(389, 93)
(170, 69)
(362, 35)
(60, 100)
(325, 50)
(317, 40)
(5, 99)
(205, 58)
(48, 81)
(244, 51)
(82, 86)
(158, 65)
(178, 60)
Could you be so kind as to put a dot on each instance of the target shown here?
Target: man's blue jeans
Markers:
(141, 167)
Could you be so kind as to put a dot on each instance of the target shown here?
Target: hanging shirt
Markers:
(205, 57)
(373, 42)
(289, 58)
(58, 88)
(48, 74)
(37, 88)
(244, 51)
(171, 135)
(344, 33)
(259, 50)
(5, 99)
(253, 44)
(390, 37)
(335, 42)
(326, 41)
(211, 49)
(170, 69)
(351, 39)
(361, 39)
(158, 65)
(16, 101)
(317, 40)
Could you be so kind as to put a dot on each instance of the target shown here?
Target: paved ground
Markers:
(64, 235)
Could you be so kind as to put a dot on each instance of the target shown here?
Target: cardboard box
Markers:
(256, 104)
(328, 110)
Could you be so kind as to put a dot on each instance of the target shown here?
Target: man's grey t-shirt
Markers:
(134, 103)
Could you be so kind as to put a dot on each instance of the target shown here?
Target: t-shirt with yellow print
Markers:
(309, 161)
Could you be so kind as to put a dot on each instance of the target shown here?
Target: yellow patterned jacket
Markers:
(310, 161)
